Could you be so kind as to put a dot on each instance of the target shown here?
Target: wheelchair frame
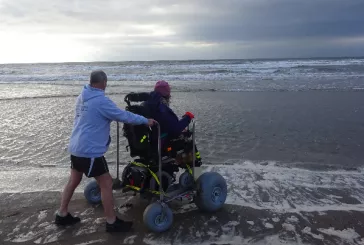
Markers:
(163, 198)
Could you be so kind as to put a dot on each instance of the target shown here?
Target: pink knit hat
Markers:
(163, 88)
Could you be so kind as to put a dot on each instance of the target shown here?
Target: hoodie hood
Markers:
(155, 97)
(89, 92)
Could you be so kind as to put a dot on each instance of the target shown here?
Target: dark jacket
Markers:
(169, 122)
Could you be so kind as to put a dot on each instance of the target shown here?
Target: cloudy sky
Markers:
(117, 30)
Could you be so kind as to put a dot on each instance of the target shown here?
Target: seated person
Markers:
(172, 128)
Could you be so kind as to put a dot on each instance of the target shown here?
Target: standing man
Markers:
(89, 142)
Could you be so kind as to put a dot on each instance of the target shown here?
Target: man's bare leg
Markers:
(105, 183)
(63, 217)
(113, 223)
(68, 191)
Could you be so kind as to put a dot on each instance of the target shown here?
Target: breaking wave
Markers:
(213, 70)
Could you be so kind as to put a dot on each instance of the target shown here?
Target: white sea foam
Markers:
(255, 185)
(228, 232)
(268, 225)
(129, 240)
(307, 230)
(91, 242)
(247, 182)
(346, 234)
(279, 189)
(45, 232)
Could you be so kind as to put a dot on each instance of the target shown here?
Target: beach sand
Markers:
(28, 219)
(293, 162)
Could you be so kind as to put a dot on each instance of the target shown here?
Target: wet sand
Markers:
(267, 204)
(22, 223)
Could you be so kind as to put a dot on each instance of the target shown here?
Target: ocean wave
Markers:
(212, 70)
(198, 76)
(65, 80)
(330, 68)
(196, 90)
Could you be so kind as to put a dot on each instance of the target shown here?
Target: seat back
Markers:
(136, 97)
(139, 137)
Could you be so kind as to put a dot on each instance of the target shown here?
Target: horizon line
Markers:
(163, 60)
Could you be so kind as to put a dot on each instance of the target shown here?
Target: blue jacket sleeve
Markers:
(171, 123)
(110, 110)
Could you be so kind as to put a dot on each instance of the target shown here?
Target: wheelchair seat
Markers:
(143, 141)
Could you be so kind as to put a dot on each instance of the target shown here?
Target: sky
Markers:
(116, 30)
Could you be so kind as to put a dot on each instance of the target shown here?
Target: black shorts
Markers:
(91, 167)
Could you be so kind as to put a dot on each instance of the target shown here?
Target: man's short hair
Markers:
(98, 77)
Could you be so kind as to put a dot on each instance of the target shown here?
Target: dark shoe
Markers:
(119, 226)
(67, 220)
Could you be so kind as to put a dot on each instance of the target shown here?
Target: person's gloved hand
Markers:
(190, 115)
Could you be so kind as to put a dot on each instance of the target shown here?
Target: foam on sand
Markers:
(91, 242)
(284, 201)
(346, 234)
(256, 185)
(285, 189)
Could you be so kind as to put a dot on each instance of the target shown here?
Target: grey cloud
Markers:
(277, 20)
(236, 27)
(234, 20)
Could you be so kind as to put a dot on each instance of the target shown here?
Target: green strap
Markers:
(143, 138)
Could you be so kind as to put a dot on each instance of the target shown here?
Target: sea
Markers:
(18, 80)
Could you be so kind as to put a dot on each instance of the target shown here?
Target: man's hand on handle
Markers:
(151, 122)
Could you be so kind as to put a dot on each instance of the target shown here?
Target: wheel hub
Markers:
(216, 193)
(95, 193)
(160, 219)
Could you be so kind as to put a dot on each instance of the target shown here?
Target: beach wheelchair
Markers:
(152, 172)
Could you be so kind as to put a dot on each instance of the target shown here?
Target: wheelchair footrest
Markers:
(171, 195)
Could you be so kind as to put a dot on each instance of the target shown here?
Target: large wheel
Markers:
(92, 192)
(157, 218)
(211, 192)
